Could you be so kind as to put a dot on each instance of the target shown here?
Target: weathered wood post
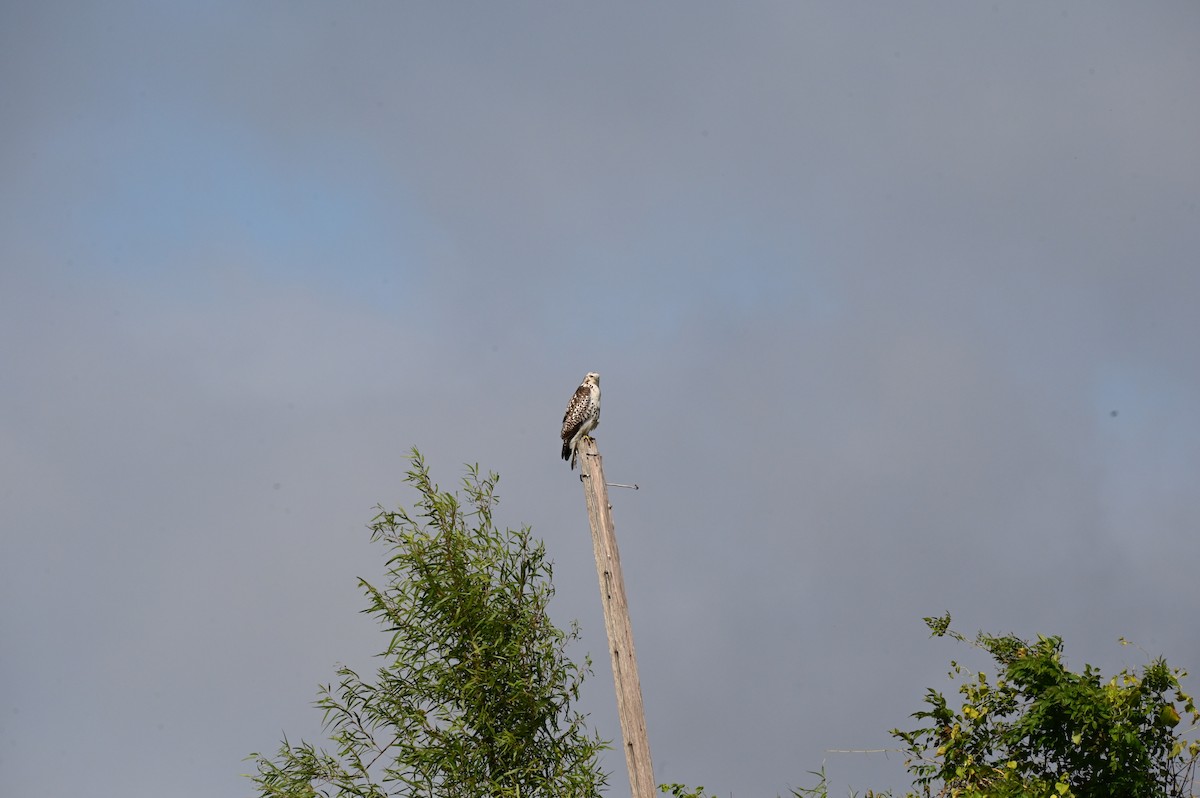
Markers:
(616, 622)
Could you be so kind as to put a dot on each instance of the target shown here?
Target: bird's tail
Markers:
(566, 454)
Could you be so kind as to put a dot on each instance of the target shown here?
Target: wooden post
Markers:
(616, 622)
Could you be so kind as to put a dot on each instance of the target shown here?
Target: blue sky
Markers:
(865, 285)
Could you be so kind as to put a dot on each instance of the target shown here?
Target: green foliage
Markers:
(476, 695)
(819, 790)
(683, 791)
(1042, 730)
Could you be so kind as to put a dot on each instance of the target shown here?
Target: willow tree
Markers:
(475, 695)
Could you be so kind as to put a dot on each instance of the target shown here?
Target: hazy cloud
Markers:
(895, 310)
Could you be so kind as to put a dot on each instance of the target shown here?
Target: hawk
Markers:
(582, 416)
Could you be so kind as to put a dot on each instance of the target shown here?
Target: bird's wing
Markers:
(576, 411)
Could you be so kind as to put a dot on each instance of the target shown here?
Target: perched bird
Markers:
(582, 416)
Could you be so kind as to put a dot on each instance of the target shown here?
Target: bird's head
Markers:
(592, 378)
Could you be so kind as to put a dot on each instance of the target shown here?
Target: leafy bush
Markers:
(1042, 730)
